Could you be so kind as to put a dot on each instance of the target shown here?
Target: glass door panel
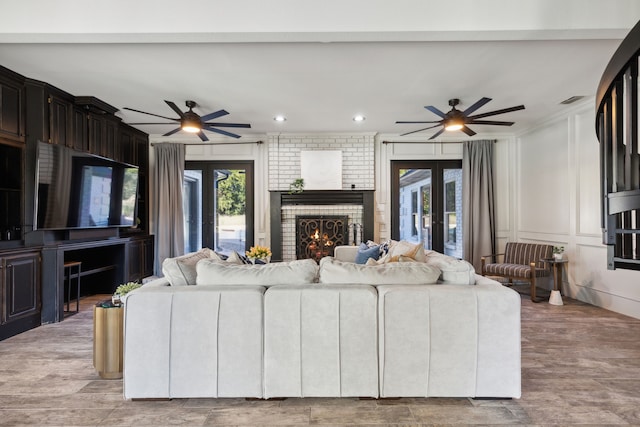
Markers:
(426, 204)
(218, 206)
(230, 222)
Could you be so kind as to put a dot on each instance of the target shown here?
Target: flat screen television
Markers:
(81, 190)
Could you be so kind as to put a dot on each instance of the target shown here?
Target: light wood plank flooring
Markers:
(581, 365)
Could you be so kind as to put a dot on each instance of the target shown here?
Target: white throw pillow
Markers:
(181, 270)
(394, 273)
(454, 271)
(278, 273)
(404, 249)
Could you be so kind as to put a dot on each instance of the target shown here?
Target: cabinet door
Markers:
(96, 130)
(147, 257)
(22, 285)
(135, 260)
(12, 114)
(60, 118)
(80, 130)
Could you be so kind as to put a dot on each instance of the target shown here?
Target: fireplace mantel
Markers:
(278, 199)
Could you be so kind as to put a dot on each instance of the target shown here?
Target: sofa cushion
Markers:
(181, 270)
(418, 273)
(454, 271)
(210, 272)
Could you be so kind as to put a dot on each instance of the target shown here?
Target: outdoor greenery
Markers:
(231, 194)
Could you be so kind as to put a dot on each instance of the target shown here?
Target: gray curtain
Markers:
(478, 206)
(167, 206)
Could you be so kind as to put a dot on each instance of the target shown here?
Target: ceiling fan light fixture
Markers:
(191, 122)
(453, 125)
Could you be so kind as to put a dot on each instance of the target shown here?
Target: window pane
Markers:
(192, 207)
(452, 212)
(230, 207)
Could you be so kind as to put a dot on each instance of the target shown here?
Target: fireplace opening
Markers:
(317, 236)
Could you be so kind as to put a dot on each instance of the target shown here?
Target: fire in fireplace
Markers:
(317, 236)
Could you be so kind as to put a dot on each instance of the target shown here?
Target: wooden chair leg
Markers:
(533, 283)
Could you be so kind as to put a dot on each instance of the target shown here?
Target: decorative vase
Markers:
(558, 257)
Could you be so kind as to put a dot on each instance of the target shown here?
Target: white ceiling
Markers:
(319, 63)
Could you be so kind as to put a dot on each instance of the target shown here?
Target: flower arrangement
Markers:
(259, 252)
(125, 288)
(558, 249)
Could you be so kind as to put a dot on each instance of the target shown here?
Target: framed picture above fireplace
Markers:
(321, 170)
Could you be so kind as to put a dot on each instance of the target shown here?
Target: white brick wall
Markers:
(289, 213)
(357, 158)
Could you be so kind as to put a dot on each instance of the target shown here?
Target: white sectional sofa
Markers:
(297, 329)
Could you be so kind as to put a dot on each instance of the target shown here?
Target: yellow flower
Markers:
(258, 252)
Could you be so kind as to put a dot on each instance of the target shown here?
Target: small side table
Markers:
(108, 334)
(556, 266)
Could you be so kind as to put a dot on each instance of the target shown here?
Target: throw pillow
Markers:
(181, 270)
(454, 271)
(406, 249)
(365, 253)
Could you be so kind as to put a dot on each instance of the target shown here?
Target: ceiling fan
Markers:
(458, 120)
(191, 122)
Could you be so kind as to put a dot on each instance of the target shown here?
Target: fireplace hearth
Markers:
(317, 236)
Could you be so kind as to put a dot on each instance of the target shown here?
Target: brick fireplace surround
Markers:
(355, 199)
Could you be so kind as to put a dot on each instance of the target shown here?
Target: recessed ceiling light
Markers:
(359, 118)
(280, 118)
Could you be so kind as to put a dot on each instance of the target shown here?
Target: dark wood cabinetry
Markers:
(20, 284)
(12, 106)
(60, 120)
(10, 193)
(80, 131)
(103, 135)
(140, 254)
(31, 260)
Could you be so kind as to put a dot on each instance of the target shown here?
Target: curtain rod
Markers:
(210, 143)
(428, 142)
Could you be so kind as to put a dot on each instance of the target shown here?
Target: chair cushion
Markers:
(525, 253)
(513, 270)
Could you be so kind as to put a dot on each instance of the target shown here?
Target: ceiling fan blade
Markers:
(229, 125)
(171, 132)
(155, 123)
(419, 130)
(489, 122)
(223, 132)
(175, 108)
(435, 111)
(467, 131)
(404, 122)
(435, 135)
(151, 114)
(214, 115)
(476, 106)
(202, 136)
(493, 113)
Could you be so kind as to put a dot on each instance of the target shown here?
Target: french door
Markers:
(426, 204)
(218, 206)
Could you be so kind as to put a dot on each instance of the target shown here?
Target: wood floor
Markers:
(581, 365)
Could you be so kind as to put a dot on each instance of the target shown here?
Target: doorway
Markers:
(218, 206)
(426, 204)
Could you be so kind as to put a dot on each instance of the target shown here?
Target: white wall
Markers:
(547, 190)
(555, 198)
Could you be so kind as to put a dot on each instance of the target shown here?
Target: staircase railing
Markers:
(617, 130)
